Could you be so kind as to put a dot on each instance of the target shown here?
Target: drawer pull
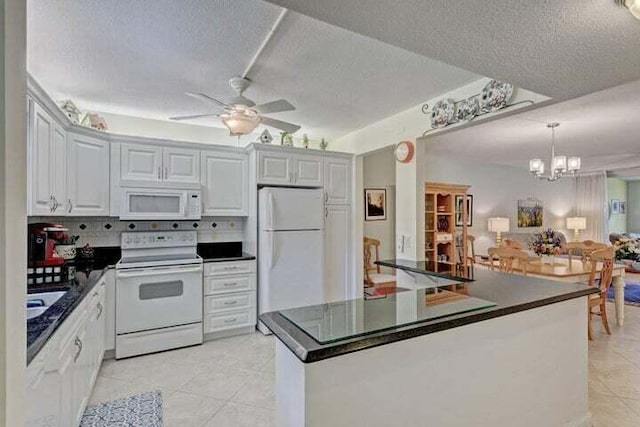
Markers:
(101, 308)
(234, 320)
(230, 302)
(231, 267)
(230, 284)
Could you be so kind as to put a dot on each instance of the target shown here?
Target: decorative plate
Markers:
(495, 95)
(467, 110)
(442, 113)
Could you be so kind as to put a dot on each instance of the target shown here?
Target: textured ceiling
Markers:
(137, 58)
(559, 48)
(603, 128)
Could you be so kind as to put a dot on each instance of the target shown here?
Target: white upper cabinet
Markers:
(337, 181)
(287, 168)
(274, 168)
(141, 163)
(47, 164)
(145, 164)
(181, 165)
(87, 176)
(307, 171)
(225, 184)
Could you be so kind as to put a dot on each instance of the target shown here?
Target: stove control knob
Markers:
(136, 240)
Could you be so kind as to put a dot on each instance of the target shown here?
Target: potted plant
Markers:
(66, 246)
(547, 245)
(628, 251)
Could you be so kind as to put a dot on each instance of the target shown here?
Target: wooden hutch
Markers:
(445, 221)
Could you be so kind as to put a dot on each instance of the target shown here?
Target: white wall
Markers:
(496, 190)
(13, 191)
(633, 206)
(379, 171)
(617, 189)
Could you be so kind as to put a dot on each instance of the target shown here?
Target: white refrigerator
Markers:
(290, 249)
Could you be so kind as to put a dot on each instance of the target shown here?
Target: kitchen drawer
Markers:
(230, 320)
(233, 267)
(224, 284)
(225, 302)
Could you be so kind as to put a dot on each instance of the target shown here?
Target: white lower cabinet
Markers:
(229, 297)
(61, 377)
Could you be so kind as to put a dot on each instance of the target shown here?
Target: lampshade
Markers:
(573, 164)
(536, 166)
(498, 225)
(577, 223)
(240, 122)
(560, 163)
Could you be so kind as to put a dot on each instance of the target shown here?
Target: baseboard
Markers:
(229, 333)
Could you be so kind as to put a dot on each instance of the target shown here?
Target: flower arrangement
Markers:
(627, 249)
(546, 242)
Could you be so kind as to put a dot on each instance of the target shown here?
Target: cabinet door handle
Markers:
(166, 173)
(70, 205)
(78, 343)
(101, 308)
(56, 204)
(159, 173)
(326, 212)
(326, 197)
(52, 205)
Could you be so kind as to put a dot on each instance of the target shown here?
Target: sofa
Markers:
(615, 237)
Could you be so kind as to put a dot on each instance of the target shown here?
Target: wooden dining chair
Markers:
(505, 259)
(510, 243)
(602, 279)
(583, 249)
(373, 275)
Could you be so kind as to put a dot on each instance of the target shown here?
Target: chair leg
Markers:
(603, 317)
(589, 330)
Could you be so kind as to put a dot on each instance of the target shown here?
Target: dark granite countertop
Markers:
(88, 274)
(223, 251)
(510, 293)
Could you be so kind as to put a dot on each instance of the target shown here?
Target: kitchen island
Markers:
(501, 350)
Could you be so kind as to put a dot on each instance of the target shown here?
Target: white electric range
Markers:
(158, 292)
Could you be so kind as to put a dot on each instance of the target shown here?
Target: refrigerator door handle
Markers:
(272, 245)
(271, 202)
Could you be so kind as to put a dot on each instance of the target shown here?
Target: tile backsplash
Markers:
(105, 231)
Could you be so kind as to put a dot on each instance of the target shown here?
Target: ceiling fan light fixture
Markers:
(632, 5)
(239, 122)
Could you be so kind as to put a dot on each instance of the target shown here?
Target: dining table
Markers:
(572, 270)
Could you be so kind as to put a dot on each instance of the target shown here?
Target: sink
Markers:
(40, 302)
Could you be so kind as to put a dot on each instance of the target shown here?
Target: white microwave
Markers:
(160, 204)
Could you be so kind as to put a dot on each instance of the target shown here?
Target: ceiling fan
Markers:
(241, 115)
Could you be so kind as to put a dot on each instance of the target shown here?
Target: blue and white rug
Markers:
(138, 410)
(631, 293)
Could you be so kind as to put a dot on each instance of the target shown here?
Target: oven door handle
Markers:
(163, 270)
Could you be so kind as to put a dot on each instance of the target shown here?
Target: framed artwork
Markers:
(459, 201)
(530, 213)
(375, 204)
(623, 207)
(615, 206)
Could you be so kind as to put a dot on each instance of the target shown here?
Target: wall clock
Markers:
(404, 151)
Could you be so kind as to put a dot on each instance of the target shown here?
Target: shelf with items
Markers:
(442, 237)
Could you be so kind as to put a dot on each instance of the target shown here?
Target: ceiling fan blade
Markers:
(275, 107)
(195, 116)
(207, 98)
(279, 124)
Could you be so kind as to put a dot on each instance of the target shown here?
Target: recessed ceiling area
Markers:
(558, 48)
(138, 58)
(603, 128)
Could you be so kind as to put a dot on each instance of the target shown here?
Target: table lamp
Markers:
(576, 224)
(498, 225)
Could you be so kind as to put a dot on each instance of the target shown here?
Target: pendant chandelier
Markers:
(560, 165)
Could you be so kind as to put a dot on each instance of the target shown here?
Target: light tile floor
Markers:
(231, 382)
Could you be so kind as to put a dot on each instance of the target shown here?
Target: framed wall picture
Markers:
(623, 207)
(459, 211)
(615, 206)
(530, 213)
(375, 204)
